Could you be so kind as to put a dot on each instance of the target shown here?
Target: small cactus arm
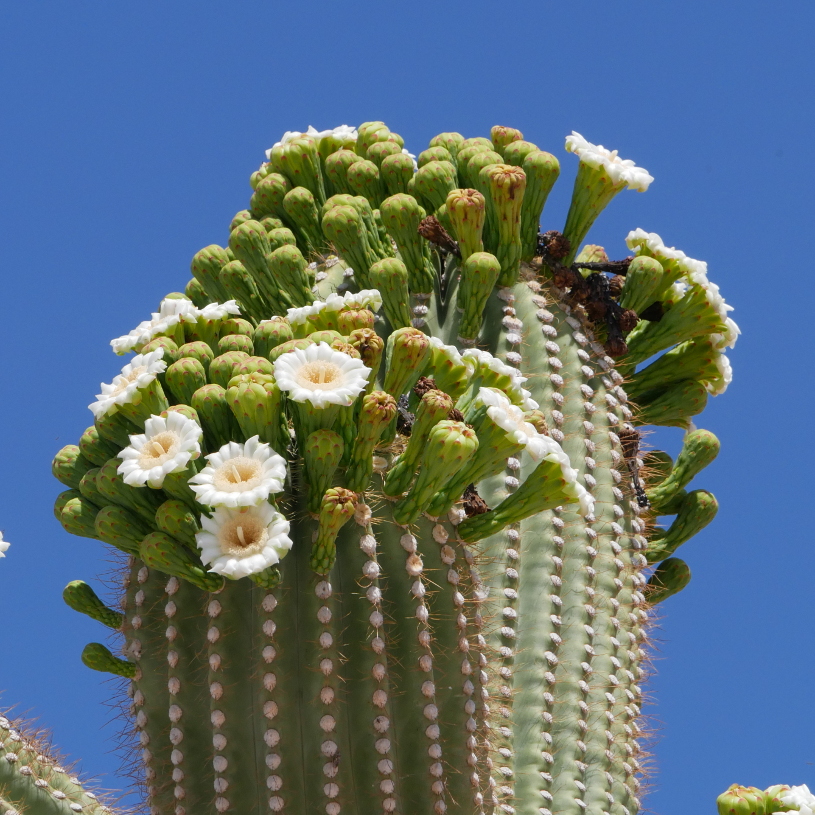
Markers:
(377, 476)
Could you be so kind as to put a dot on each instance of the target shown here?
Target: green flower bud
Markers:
(240, 217)
(675, 406)
(738, 800)
(670, 577)
(116, 428)
(299, 161)
(271, 333)
(280, 236)
(375, 247)
(353, 319)
(255, 401)
(434, 407)
(697, 510)
(501, 137)
(250, 245)
(327, 335)
(643, 281)
(408, 352)
(390, 277)
(477, 141)
(773, 802)
(240, 285)
(327, 146)
(452, 142)
(401, 215)
(448, 369)
(370, 346)
(450, 446)
(236, 325)
(184, 377)
(301, 208)
(364, 179)
(471, 172)
(98, 657)
(159, 551)
(142, 500)
(466, 210)
(270, 224)
(195, 291)
(206, 269)
(345, 228)
(169, 346)
(434, 181)
(336, 168)
(479, 273)
(545, 487)
(396, 172)
(95, 449)
(380, 150)
(216, 417)
(505, 187)
(290, 345)
(372, 132)
(222, 368)
(377, 411)
(322, 454)
(437, 153)
(288, 266)
(541, 170)
(696, 359)
(76, 514)
(336, 509)
(121, 528)
(465, 154)
(268, 197)
(235, 342)
(516, 151)
(89, 490)
(79, 596)
(175, 518)
(69, 465)
(700, 448)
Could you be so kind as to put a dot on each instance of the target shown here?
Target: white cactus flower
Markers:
(219, 311)
(166, 446)
(137, 374)
(618, 170)
(341, 132)
(240, 475)
(4, 545)
(799, 797)
(488, 361)
(171, 312)
(298, 316)
(510, 418)
(320, 375)
(237, 542)
(365, 298)
(718, 386)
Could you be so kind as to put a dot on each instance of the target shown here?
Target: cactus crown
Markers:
(377, 474)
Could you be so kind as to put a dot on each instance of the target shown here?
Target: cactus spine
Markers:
(428, 645)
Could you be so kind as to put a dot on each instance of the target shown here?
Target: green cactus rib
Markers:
(395, 661)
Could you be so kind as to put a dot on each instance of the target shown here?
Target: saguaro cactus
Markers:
(388, 552)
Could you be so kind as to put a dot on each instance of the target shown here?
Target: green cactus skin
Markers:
(32, 780)
(397, 661)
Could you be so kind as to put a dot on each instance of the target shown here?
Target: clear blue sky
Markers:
(127, 135)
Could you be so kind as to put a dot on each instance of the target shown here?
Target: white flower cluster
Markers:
(4, 545)
(171, 312)
(619, 170)
(344, 132)
(245, 534)
(799, 797)
(693, 275)
(367, 298)
(488, 361)
(137, 374)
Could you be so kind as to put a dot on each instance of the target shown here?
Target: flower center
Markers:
(243, 535)
(158, 449)
(128, 379)
(319, 375)
(238, 474)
